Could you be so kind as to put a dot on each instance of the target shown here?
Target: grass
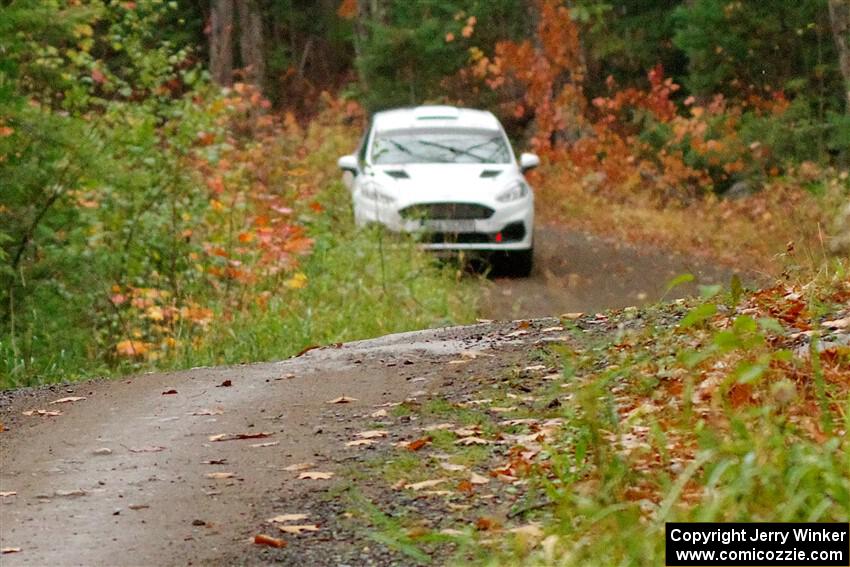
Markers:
(669, 414)
(359, 284)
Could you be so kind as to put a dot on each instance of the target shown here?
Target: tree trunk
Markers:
(839, 17)
(221, 42)
(251, 42)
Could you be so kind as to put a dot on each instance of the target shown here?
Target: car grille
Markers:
(447, 211)
(513, 232)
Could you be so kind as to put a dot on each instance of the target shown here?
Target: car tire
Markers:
(519, 263)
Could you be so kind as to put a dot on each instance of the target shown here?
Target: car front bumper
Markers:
(510, 227)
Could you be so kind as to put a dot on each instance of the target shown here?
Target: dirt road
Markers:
(132, 473)
(579, 272)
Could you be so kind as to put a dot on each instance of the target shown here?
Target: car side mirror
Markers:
(528, 161)
(348, 163)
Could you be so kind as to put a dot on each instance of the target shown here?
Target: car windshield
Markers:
(401, 147)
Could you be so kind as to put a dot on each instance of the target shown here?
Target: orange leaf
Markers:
(263, 539)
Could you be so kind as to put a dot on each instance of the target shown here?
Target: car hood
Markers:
(434, 183)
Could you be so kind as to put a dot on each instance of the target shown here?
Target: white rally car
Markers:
(448, 175)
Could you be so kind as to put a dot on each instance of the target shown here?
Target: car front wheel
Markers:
(519, 263)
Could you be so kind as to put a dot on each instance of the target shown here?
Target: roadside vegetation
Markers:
(150, 220)
(732, 407)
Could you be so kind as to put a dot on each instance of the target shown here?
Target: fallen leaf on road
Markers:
(572, 316)
(471, 441)
(426, 484)
(287, 518)
(522, 421)
(299, 467)
(485, 524)
(220, 475)
(169, 392)
(263, 539)
(215, 462)
(7, 494)
(6, 550)
(551, 329)
(298, 528)
(516, 334)
(102, 451)
(451, 467)
(466, 487)
(225, 384)
(467, 431)
(451, 532)
(146, 449)
(418, 444)
(360, 442)
(41, 412)
(206, 411)
(341, 400)
(498, 409)
(69, 493)
(238, 436)
(531, 534)
(138, 506)
(67, 400)
(315, 475)
(838, 323)
(534, 368)
(375, 433)
(476, 478)
(379, 413)
(260, 445)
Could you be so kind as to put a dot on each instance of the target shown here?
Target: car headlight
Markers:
(514, 192)
(373, 192)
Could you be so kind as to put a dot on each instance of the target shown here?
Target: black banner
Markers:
(757, 544)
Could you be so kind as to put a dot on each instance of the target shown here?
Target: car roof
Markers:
(434, 117)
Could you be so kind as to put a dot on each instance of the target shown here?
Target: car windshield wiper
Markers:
(456, 151)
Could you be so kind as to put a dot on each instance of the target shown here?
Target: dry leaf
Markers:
(298, 467)
(260, 445)
(516, 334)
(43, 413)
(360, 442)
(471, 441)
(341, 400)
(69, 493)
(206, 411)
(146, 449)
(572, 316)
(6, 550)
(263, 539)
(418, 444)
(220, 475)
(7, 494)
(551, 329)
(379, 413)
(215, 462)
(426, 484)
(485, 524)
(225, 384)
(297, 529)
(170, 392)
(281, 518)
(534, 368)
(238, 436)
(315, 475)
(837, 323)
(373, 434)
(476, 478)
(467, 431)
(499, 409)
(451, 467)
(451, 532)
(67, 400)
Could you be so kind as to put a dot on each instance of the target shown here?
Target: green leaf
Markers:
(698, 315)
(679, 280)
